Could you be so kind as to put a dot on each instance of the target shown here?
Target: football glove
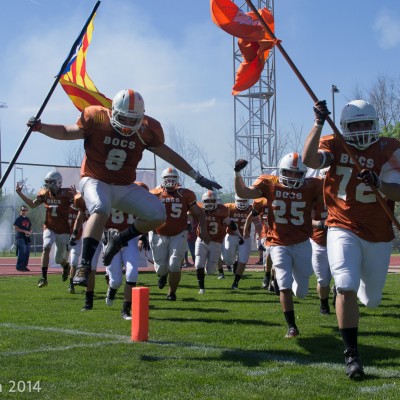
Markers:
(207, 183)
(72, 238)
(240, 164)
(370, 178)
(321, 112)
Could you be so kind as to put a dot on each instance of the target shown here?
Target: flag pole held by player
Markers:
(140, 314)
(49, 94)
(347, 147)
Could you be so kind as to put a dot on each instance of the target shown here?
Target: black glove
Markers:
(321, 112)
(145, 241)
(207, 183)
(241, 241)
(189, 227)
(370, 178)
(35, 124)
(72, 238)
(240, 164)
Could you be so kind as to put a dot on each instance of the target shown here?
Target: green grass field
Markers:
(222, 345)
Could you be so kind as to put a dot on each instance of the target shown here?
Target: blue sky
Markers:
(182, 65)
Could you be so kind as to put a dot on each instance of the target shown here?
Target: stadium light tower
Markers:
(255, 113)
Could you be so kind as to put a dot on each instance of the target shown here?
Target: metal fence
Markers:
(7, 243)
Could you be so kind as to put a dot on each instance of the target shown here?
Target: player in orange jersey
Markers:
(114, 142)
(291, 197)
(169, 240)
(57, 201)
(209, 254)
(360, 231)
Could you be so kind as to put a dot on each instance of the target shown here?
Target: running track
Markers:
(7, 266)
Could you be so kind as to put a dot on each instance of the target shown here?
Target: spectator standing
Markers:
(23, 230)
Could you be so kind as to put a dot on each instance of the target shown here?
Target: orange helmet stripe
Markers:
(295, 160)
(131, 100)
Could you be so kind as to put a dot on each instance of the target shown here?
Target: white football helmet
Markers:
(292, 163)
(169, 178)
(127, 112)
(53, 181)
(359, 110)
(241, 204)
(210, 200)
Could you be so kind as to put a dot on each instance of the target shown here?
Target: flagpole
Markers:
(49, 94)
(347, 148)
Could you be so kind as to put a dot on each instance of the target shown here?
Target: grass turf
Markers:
(221, 345)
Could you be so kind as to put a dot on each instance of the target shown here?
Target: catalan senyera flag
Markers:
(75, 80)
(254, 42)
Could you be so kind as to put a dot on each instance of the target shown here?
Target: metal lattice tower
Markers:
(255, 113)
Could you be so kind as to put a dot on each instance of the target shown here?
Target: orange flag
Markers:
(254, 42)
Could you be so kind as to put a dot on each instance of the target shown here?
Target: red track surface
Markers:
(7, 266)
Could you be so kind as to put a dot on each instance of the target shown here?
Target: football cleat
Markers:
(162, 281)
(42, 282)
(221, 276)
(234, 286)
(112, 247)
(71, 289)
(202, 291)
(81, 275)
(171, 297)
(110, 297)
(126, 314)
(65, 272)
(266, 282)
(292, 332)
(324, 310)
(87, 307)
(354, 368)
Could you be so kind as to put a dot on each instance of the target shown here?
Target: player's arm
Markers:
(59, 132)
(247, 224)
(173, 158)
(200, 215)
(29, 202)
(240, 187)
(311, 156)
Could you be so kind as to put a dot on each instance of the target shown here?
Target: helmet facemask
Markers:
(292, 182)
(170, 179)
(241, 204)
(210, 200)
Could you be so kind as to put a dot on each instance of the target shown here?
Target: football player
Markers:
(360, 231)
(209, 254)
(320, 261)
(290, 197)
(169, 240)
(237, 247)
(56, 229)
(114, 142)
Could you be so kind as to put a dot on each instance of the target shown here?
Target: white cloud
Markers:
(388, 27)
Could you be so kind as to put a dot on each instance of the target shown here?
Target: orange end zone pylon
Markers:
(140, 314)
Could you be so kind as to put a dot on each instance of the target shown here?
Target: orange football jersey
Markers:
(289, 211)
(177, 204)
(238, 216)
(261, 206)
(351, 204)
(216, 226)
(319, 213)
(109, 156)
(119, 220)
(57, 209)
